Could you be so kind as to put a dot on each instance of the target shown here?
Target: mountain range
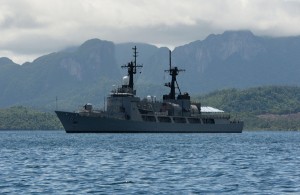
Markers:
(69, 78)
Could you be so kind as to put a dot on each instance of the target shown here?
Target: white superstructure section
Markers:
(210, 109)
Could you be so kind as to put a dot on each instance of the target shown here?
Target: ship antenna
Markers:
(131, 67)
(135, 54)
(170, 60)
(173, 72)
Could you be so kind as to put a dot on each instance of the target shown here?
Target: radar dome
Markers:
(126, 80)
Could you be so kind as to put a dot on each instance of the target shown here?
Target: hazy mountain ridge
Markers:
(234, 59)
(66, 75)
(240, 59)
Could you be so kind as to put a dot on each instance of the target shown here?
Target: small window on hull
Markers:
(209, 121)
(179, 120)
(149, 118)
(194, 120)
(164, 119)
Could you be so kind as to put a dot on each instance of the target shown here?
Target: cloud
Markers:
(33, 27)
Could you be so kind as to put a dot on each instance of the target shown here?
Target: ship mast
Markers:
(131, 68)
(173, 72)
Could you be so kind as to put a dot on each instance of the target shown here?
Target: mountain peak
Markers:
(95, 43)
(243, 33)
(243, 43)
(232, 36)
(92, 41)
(6, 61)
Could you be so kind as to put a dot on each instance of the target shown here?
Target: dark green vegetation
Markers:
(21, 118)
(268, 108)
(272, 107)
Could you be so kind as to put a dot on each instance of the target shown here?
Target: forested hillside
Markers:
(258, 100)
(22, 118)
(270, 107)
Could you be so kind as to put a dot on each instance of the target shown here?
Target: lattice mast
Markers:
(131, 68)
(173, 72)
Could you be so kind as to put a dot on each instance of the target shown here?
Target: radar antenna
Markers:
(173, 72)
(131, 67)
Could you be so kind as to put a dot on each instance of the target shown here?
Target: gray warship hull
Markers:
(127, 113)
(75, 123)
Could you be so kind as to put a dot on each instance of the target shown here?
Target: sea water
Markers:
(53, 162)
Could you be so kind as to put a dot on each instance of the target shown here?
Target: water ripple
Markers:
(54, 162)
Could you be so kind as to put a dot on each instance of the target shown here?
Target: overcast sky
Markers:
(30, 28)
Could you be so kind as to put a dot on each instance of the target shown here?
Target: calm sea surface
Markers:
(53, 162)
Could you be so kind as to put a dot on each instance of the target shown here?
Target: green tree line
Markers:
(269, 107)
(22, 118)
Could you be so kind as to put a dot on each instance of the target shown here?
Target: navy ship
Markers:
(127, 113)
